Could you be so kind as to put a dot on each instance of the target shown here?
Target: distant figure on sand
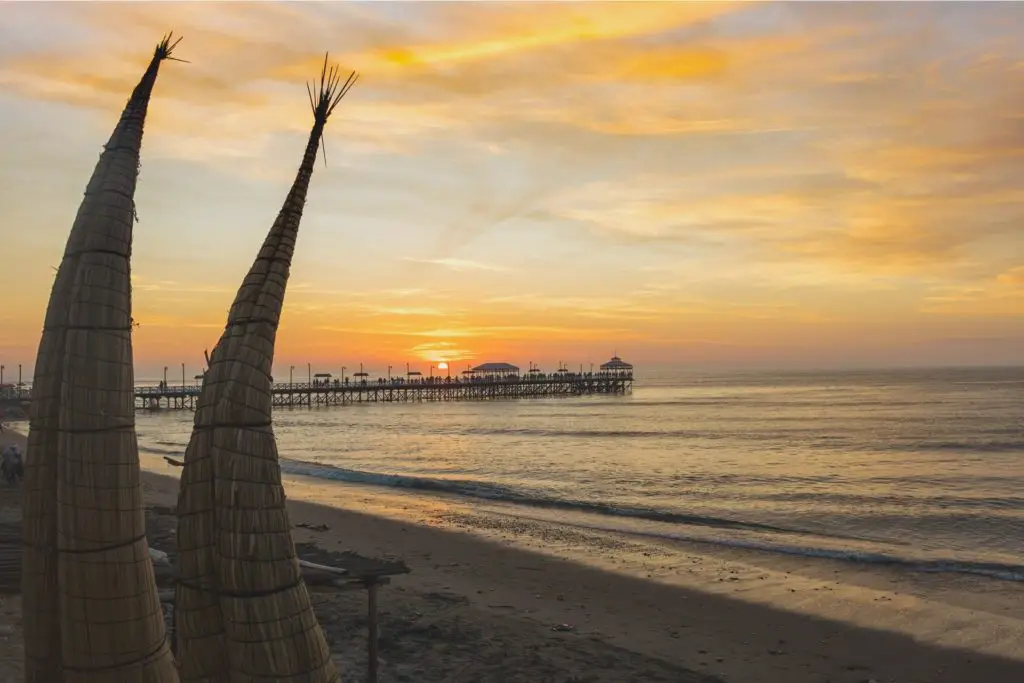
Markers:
(12, 468)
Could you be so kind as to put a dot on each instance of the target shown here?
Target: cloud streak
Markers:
(458, 264)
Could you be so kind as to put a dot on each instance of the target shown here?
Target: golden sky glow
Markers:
(695, 183)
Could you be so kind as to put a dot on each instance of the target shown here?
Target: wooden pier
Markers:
(485, 382)
(337, 393)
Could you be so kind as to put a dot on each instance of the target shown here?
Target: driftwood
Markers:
(175, 463)
(308, 566)
(313, 573)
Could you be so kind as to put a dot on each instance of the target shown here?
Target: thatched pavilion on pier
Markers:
(617, 367)
(494, 371)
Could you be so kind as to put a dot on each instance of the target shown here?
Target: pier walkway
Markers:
(337, 393)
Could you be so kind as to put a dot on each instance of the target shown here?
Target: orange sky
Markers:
(712, 183)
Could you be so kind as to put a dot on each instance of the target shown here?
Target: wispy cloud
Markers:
(443, 350)
(1001, 296)
(459, 264)
(408, 311)
(176, 288)
(802, 174)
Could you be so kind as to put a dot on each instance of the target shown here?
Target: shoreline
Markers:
(659, 526)
(665, 611)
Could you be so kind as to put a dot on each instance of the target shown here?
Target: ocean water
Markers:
(919, 468)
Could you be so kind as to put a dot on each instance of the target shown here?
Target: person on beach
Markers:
(12, 468)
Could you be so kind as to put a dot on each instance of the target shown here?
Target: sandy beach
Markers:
(490, 599)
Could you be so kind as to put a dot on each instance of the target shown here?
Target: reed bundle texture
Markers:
(242, 610)
(90, 606)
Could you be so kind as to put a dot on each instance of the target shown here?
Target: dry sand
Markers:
(482, 605)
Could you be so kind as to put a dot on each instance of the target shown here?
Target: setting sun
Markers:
(442, 366)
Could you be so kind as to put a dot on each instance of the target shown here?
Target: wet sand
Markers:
(490, 594)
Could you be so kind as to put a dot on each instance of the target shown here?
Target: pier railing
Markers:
(15, 394)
